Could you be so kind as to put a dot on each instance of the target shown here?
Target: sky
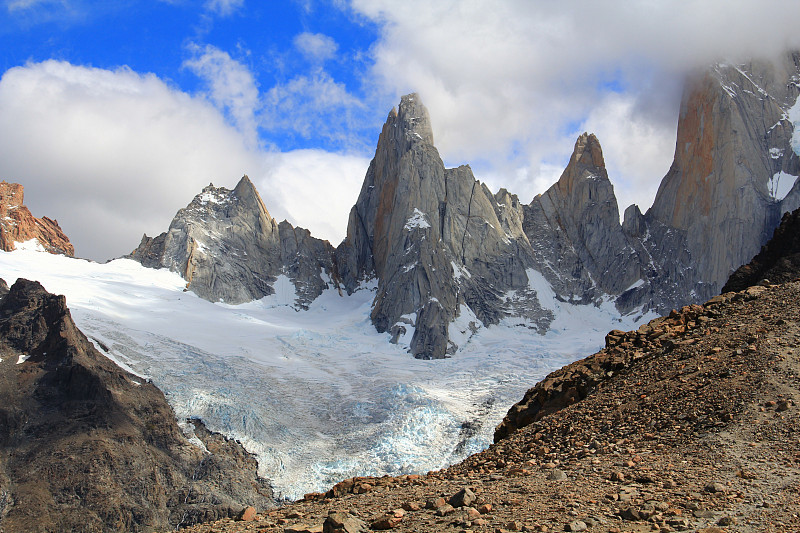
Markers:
(114, 114)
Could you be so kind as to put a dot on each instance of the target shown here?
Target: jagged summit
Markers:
(412, 119)
(228, 247)
(588, 151)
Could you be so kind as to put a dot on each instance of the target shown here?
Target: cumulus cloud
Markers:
(111, 154)
(316, 47)
(231, 85)
(509, 84)
(314, 188)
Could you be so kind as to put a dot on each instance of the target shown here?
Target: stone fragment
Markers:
(463, 498)
(715, 487)
(247, 514)
(342, 522)
(445, 510)
(435, 503)
(576, 525)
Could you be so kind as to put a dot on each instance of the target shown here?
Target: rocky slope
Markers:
(228, 247)
(449, 256)
(86, 446)
(688, 424)
(18, 225)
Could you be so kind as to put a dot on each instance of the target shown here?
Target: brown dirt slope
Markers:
(86, 446)
(690, 423)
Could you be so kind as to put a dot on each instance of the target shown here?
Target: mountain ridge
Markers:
(18, 226)
(450, 256)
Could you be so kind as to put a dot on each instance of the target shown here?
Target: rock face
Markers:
(446, 252)
(574, 229)
(731, 178)
(86, 446)
(18, 225)
(432, 237)
(228, 247)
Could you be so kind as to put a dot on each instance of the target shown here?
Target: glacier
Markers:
(317, 395)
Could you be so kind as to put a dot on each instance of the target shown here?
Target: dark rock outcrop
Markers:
(87, 446)
(18, 225)
(778, 261)
(227, 247)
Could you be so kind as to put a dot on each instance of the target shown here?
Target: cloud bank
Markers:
(113, 154)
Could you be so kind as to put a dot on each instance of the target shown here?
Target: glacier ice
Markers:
(317, 395)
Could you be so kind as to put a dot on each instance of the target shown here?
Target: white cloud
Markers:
(224, 8)
(231, 85)
(313, 105)
(316, 47)
(634, 148)
(314, 189)
(510, 83)
(112, 154)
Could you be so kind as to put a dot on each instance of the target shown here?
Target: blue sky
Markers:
(114, 114)
(274, 41)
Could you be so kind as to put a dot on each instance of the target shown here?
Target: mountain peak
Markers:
(585, 164)
(588, 152)
(246, 192)
(413, 119)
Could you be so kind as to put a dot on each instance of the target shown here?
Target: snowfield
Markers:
(317, 395)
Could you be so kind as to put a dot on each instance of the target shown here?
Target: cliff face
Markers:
(87, 446)
(228, 247)
(18, 225)
(574, 228)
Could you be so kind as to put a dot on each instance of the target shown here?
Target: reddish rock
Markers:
(17, 224)
(248, 515)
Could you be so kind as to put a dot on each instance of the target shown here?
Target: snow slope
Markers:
(317, 395)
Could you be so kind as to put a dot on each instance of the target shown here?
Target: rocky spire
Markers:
(580, 217)
(422, 231)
